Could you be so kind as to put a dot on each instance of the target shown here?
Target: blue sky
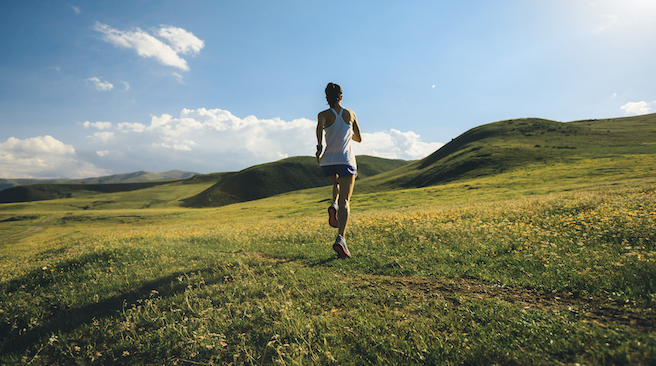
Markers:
(91, 88)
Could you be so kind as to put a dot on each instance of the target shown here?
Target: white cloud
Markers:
(181, 41)
(46, 144)
(100, 85)
(125, 85)
(178, 77)
(102, 136)
(395, 145)
(637, 107)
(42, 157)
(136, 127)
(214, 140)
(219, 131)
(75, 9)
(146, 45)
(201, 140)
(98, 125)
(157, 122)
(181, 147)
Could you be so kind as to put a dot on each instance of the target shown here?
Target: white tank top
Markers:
(338, 143)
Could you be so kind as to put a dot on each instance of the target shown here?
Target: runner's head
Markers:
(333, 94)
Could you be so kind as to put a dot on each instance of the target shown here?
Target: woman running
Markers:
(338, 161)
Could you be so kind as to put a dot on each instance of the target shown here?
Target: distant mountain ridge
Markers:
(253, 183)
(136, 177)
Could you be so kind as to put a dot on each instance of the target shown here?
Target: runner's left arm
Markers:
(356, 129)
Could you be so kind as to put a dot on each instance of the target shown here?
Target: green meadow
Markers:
(524, 242)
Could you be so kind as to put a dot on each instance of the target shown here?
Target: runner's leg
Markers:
(346, 184)
(332, 210)
(335, 189)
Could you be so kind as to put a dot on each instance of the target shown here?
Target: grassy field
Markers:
(547, 262)
(529, 277)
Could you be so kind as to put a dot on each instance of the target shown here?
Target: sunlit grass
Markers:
(258, 282)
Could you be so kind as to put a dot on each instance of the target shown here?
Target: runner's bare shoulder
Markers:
(327, 117)
(349, 116)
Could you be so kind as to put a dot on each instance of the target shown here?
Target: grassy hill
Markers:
(140, 176)
(202, 190)
(504, 146)
(47, 191)
(283, 176)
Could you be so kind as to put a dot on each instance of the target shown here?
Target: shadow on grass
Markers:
(302, 258)
(284, 257)
(321, 262)
(17, 338)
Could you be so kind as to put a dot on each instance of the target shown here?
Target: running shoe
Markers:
(332, 215)
(341, 248)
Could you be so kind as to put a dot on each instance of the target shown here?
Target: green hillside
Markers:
(282, 176)
(217, 189)
(46, 191)
(503, 146)
(136, 177)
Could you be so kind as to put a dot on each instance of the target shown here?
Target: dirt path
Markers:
(601, 311)
(37, 227)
